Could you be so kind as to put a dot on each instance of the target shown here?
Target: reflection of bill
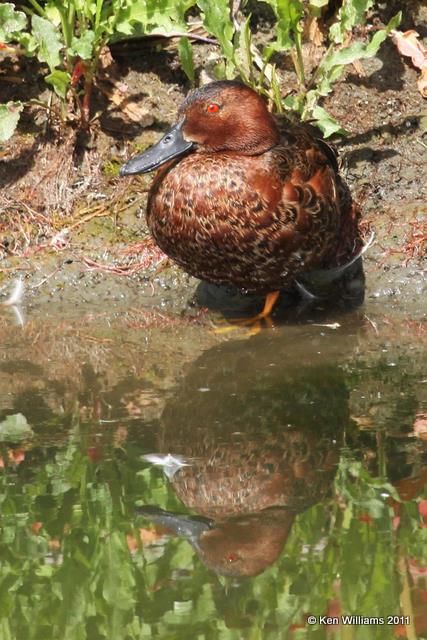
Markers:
(235, 546)
(258, 447)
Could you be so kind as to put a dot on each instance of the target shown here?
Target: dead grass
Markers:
(48, 206)
(41, 188)
(414, 246)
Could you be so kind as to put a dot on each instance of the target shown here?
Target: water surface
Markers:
(293, 481)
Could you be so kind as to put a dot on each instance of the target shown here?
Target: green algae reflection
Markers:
(77, 562)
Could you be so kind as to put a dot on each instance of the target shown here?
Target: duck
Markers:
(246, 198)
(259, 446)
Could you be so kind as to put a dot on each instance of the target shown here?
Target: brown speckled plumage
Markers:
(257, 202)
(261, 445)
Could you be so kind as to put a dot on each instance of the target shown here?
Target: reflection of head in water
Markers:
(261, 432)
(243, 545)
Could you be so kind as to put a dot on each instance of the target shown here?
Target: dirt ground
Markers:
(76, 233)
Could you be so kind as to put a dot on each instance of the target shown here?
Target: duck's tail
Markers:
(321, 282)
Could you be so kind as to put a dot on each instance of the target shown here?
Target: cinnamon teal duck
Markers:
(261, 445)
(245, 198)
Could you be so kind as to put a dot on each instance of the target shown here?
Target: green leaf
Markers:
(52, 13)
(375, 507)
(162, 16)
(379, 37)
(45, 571)
(28, 43)
(15, 427)
(9, 117)
(185, 51)
(332, 67)
(352, 12)
(315, 7)
(289, 13)
(276, 86)
(344, 56)
(11, 22)
(394, 22)
(48, 40)
(125, 24)
(324, 86)
(83, 46)
(217, 21)
(60, 81)
(360, 50)
(220, 71)
(326, 123)
(243, 52)
(291, 102)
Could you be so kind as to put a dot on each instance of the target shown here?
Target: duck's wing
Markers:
(316, 202)
(308, 169)
(327, 148)
(303, 137)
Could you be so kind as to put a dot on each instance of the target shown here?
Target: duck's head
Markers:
(221, 116)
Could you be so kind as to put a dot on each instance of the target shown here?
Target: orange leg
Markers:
(270, 301)
(255, 322)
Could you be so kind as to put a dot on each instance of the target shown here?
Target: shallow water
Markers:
(295, 485)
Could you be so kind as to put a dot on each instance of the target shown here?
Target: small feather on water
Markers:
(170, 463)
(16, 296)
(20, 318)
(331, 325)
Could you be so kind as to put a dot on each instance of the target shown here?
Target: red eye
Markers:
(232, 557)
(213, 107)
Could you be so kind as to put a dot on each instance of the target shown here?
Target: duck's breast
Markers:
(214, 199)
(224, 219)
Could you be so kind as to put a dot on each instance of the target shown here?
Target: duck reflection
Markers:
(250, 439)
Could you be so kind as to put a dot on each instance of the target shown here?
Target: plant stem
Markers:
(319, 68)
(186, 34)
(298, 60)
(38, 8)
(85, 106)
(99, 5)
(67, 32)
(77, 99)
(47, 106)
(70, 19)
